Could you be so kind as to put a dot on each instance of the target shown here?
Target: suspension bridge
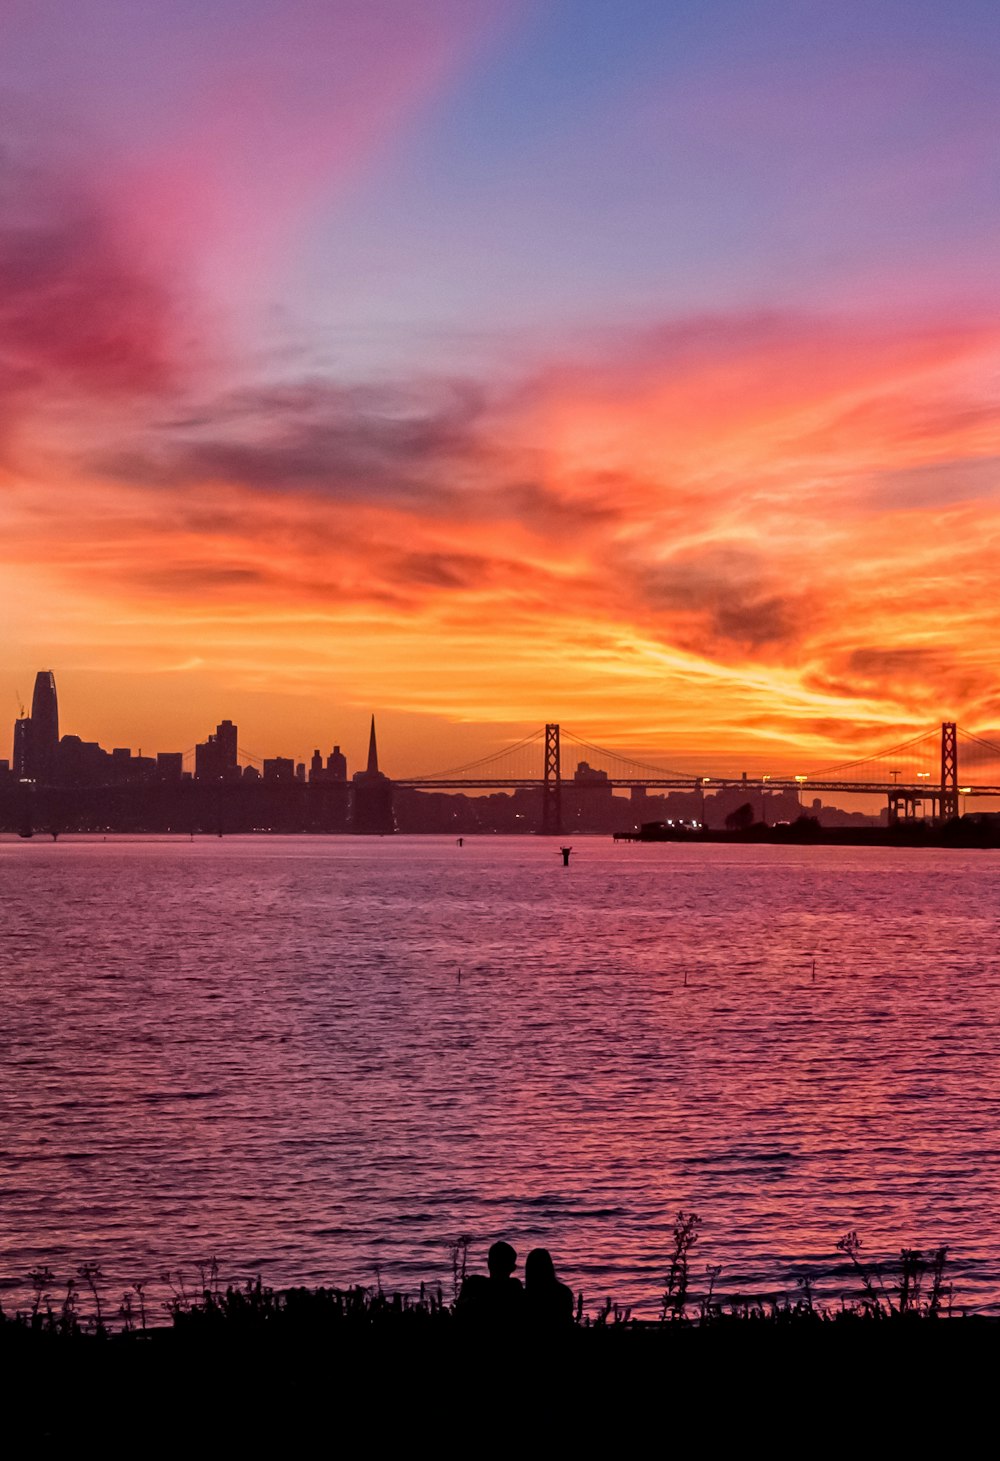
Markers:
(928, 778)
(928, 775)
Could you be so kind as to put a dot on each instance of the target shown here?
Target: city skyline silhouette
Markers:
(65, 784)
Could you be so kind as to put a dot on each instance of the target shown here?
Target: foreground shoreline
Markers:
(737, 1381)
(245, 1366)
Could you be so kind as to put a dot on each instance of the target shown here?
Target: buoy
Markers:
(565, 855)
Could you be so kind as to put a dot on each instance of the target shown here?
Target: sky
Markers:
(483, 363)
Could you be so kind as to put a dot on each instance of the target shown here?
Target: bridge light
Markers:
(765, 778)
(923, 775)
(965, 790)
(800, 779)
(705, 780)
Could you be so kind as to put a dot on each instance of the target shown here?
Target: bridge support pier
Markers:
(903, 807)
(552, 785)
(949, 771)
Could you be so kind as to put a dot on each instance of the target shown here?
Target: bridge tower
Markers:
(949, 771)
(552, 785)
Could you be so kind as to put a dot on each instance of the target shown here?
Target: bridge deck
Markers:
(923, 790)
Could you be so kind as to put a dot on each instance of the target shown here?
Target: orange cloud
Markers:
(723, 535)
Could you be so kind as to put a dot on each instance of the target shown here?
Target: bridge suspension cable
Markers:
(468, 768)
(987, 745)
(249, 756)
(825, 773)
(604, 753)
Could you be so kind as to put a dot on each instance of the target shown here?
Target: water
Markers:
(260, 1050)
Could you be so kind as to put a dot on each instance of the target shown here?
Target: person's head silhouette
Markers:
(538, 1267)
(501, 1260)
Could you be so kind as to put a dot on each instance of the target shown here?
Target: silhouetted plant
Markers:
(132, 1310)
(938, 1290)
(709, 1309)
(209, 1275)
(255, 1307)
(68, 1321)
(742, 1306)
(41, 1280)
(179, 1301)
(685, 1236)
(912, 1270)
(140, 1293)
(805, 1303)
(917, 1291)
(616, 1313)
(90, 1273)
(877, 1303)
(872, 1303)
(459, 1264)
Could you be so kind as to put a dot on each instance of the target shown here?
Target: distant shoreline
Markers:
(794, 834)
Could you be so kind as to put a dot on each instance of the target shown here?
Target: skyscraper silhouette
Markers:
(43, 738)
(371, 808)
(22, 748)
(372, 751)
(216, 758)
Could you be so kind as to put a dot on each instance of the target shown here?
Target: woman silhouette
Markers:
(548, 1304)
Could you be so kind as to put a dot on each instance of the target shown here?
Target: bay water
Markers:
(325, 1060)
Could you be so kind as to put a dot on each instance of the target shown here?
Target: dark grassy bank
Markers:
(249, 1366)
(731, 1383)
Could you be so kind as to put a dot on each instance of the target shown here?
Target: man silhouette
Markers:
(493, 1302)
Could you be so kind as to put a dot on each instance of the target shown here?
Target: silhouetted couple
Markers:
(501, 1301)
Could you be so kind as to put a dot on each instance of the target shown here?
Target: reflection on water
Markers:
(261, 1050)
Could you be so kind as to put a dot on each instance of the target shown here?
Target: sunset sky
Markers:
(627, 363)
